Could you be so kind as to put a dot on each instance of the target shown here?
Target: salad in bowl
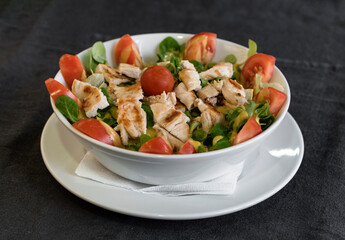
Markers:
(183, 102)
(170, 108)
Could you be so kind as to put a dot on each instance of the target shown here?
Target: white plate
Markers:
(279, 159)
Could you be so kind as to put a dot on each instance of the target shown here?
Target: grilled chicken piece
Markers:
(133, 91)
(208, 94)
(129, 70)
(233, 92)
(218, 85)
(169, 98)
(209, 116)
(91, 97)
(175, 122)
(223, 69)
(131, 119)
(190, 78)
(94, 101)
(175, 143)
(185, 64)
(82, 89)
(185, 96)
(180, 107)
(111, 75)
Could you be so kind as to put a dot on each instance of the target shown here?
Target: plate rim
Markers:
(187, 216)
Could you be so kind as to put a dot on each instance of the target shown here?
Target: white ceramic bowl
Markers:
(173, 169)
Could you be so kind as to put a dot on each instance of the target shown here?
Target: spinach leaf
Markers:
(220, 144)
(98, 52)
(250, 107)
(200, 149)
(108, 115)
(262, 112)
(174, 67)
(198, 66)
(169, 44)
(92, 64)
(199, 135)
(231, 58)
(204, 82)
(149, 114)
(68, 107)
(193, 125)
(144, 138)
(209, 65)
(232, 115)
(106, 94)
(218, 130)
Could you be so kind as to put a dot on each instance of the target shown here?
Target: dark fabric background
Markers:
(307, 37)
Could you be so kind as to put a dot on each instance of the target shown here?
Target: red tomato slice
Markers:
(187, 148)
(157, 145)
(274, 97)
(259, 63)
(94, 129)
(157, 79)
(201, 47)
(127, 51)
(71, 68)
(56, 89)
(250, 129)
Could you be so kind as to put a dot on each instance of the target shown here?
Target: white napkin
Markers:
(90, 168)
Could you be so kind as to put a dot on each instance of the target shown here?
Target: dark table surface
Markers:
(307, 37)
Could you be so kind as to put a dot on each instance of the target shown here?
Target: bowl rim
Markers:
(152, 156)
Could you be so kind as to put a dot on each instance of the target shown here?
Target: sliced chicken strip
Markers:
(133, 91)
(175, 143)
(82, 89)
(190, 78)
(94, 101)
(129, 70)
(223, 69)
(218, 85)
(185, 96)
(208, 94)
(234, 92)
(185, 64)
(180, 107)
(131, 119)
(175, 122)
(111, 75)
(163, 98)
(209, 116)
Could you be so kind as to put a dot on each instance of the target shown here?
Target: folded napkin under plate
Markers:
(90, 168)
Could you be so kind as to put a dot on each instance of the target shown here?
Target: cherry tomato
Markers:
(187, 148)
(157, 79)
(201, 47)
(127, 51)
(250, 129)
(56, 89)
(259, 63)
(274, 97)
(71, 68)
(94, 129)
(157, 145)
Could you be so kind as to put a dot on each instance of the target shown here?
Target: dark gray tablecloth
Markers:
(306, 37)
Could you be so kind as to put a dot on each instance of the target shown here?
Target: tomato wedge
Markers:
(71, 68)
(274, 97)
(157, 79)
(94, 129)
(259, 63)
(127, 51)
(56, 89)
(201, 47)
(157, 145)
(187, 148)
(250, 129)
